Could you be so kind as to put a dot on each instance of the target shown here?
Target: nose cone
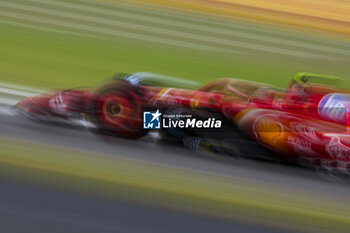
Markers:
(25, 104)
(34, 106)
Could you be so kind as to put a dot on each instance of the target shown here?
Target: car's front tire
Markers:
(116, 109)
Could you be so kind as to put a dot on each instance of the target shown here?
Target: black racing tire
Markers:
(116, 109)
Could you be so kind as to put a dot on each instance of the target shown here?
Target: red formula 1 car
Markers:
(306, 123)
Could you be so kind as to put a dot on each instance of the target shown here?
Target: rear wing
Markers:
(303, 78)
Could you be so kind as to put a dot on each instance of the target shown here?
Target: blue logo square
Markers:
(151, 120)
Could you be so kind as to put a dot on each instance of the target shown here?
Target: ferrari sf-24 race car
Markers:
(306, 123)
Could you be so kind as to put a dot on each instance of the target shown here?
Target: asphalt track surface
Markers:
(27, 208)
(32, 210)
(149, 150)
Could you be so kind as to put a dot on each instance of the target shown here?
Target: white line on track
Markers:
(5, 111)
(8, 101)
(10, 94)
(15, 92)
(20, 87)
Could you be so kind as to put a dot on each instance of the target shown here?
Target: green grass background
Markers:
(57, 60)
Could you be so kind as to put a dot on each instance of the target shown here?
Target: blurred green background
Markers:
(60, 44)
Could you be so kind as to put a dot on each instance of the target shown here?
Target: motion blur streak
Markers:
(88, 23)
(181, 181)
(101, 38)
(328, 15)
(164, 186)
(59, 178)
